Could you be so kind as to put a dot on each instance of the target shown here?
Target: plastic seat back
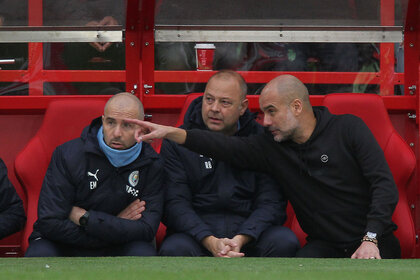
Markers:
(64, 120)
(401, 159)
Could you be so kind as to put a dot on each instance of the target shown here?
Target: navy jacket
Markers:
(208, 197)
(12, 214)
(338, 181)
(80, 174)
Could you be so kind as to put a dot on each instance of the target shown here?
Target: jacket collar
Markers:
(91, 146)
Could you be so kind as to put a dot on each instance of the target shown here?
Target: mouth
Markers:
(116, 145)
(215, 120)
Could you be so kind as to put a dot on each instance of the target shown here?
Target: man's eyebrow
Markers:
(268, 107)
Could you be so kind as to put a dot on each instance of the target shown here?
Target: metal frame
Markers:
(62, 34)
(302, 34)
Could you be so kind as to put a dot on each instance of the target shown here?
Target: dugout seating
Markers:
(400, 157)
(162, 228)
(64, 120)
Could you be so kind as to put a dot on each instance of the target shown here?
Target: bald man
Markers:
(211, 207)
(102, 193)
(332, 169)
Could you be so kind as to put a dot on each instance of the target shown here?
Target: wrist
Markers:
(208, 241)
(177, 135)
(84, 219)
(370, 237)
(242, 239)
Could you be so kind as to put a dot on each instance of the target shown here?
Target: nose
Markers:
(267, 120)
(117, 131)
(215, 106)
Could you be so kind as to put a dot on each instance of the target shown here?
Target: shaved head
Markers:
(125, 101)
(287, 111)
(118, 134)
(288, 87)
(228, 75)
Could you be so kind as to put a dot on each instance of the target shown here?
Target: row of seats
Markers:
(64, 120)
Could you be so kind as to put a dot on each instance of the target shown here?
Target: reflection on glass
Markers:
(13, 12)
(82, 56)
(309, 57)
(274, 12)
(83, 88)
(14, 88)
(83, 12)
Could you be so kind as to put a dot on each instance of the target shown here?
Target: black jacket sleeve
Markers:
(179, 212)
(269, 208)
(56, 201)
(118, 230)
(383, 190)
(242, 152)
(12, 214)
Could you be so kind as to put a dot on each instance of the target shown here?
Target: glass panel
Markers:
(13, 89)
(84, 12)
(83, 88)
(13, 56)
(305, 57)
(13, 12)
(84, 56)
(274, 12)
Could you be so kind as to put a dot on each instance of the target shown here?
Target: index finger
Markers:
(136, 121)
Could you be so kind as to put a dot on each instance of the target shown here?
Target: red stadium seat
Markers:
(184, 109)
(64, 120)
(398, 154)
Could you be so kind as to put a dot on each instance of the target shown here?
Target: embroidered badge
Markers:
(93, 184)
(133, 179)
(131, 190)
(324, 158)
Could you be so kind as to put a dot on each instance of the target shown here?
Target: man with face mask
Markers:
(102, 193)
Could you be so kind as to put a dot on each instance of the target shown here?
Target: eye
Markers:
(110, 122)
(271, 111)
(127, 125)
(209, 100)
(226, 103)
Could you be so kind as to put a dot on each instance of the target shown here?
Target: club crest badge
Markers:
(133, 179)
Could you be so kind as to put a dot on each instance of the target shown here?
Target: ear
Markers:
(297, 106)
(244, 106)
(103, 119)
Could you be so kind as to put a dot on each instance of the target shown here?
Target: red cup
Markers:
(204, 54)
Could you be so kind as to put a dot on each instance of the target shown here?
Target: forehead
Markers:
(270, 98)
(223, 88)
(120, 111)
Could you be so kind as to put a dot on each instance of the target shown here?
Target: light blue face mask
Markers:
(118, 158)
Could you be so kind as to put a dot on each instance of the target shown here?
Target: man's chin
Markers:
(278, 137)
(117, 146)
(215, 127)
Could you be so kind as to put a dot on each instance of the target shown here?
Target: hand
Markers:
(75, 214)
(367, 250)
(108, 20)
(222, 247)
(96, 45)
(133, 211)
(148, 131)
